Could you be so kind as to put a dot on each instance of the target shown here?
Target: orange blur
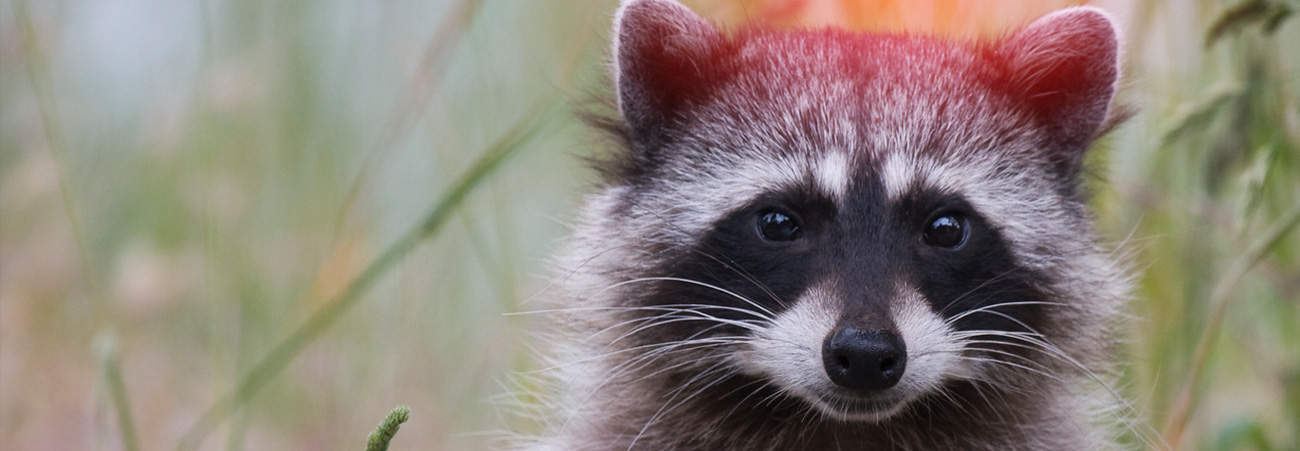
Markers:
(957, 18)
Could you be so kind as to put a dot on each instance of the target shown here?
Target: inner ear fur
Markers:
(664, 56)
(1065, 68)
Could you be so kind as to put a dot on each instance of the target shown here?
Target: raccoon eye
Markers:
(777, 226)
(947, 231)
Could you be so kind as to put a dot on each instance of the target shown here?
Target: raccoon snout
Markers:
(864, 360)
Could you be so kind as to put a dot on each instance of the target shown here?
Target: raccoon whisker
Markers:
(667, 310)
(975, 384)
(954, 302)
(1001, 343)
(838, 446)
(706, 307)
(1010, 364)
(667, 314)
(946, 393)
(762, 383)
(941, 393)
(623, 369)
(666, 319)
(720, 368)
(839, 405)
(1034, 341)
(807, 415)
(1041, 344)
(992, 333)
(651, 347)
(727, 263)
(804, 413)
(930, 402)
(1004, 274)
(1017, 321)
(657, 350)
(653, 351)
(662, 307)
(694, 339)
(770, 314)
(766, 313)
(776, 395)
(997, 390)
(1123, 245)
(644, 361)
(571, 272)
(1009, 354)
(1141, 429)
(986, 308)
(648, 321)
(1037, 339)
(672, 316)
(705, 342)
(707, 373)
(1041, 347)
(746, 275)
(640, 362)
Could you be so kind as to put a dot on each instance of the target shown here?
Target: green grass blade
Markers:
(1184, 404)
(433, 66)
(39, 74)
(379, 439)
(285, 352)
(106, 348)
(1246, 13)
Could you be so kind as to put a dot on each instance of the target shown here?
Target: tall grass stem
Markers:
(106, 348)
(429, 74)
(285, 351)
(1185, 401)
(39, 74)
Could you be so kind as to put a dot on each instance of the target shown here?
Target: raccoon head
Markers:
(858, 221)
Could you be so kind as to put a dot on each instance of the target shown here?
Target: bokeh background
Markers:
(191, 193)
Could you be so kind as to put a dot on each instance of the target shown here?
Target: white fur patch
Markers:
(933, 354)
(898, 174)
(718, 188)
(789, 351)
(833, 174)
(903, 173)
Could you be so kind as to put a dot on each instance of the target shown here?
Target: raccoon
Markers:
(824, 240)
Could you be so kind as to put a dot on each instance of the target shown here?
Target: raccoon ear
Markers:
(664, 54)
(1065, 66)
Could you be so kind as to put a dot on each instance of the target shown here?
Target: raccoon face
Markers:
(856, 221)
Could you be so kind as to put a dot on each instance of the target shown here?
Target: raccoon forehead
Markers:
(867, 119)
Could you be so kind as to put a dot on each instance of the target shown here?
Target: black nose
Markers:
(864, 360)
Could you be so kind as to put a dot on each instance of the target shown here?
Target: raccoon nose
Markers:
(864, 360)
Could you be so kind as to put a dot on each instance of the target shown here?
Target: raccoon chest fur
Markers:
(817, 239)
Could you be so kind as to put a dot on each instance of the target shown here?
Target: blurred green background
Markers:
(189, 188)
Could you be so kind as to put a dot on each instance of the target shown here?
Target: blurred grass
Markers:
(287, 350)
(203, 178)
(108, 359)
(1211, 173)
